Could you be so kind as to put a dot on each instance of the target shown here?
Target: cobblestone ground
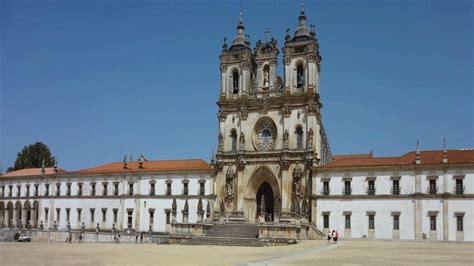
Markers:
(304, 253)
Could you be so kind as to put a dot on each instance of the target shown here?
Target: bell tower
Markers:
(270, 129)
(236, 63)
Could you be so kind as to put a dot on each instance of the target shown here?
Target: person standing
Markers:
(329, 236)
(141, 238)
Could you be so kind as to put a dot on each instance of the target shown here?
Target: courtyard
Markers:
(356, 252)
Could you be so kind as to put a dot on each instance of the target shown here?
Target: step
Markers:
(225, 241)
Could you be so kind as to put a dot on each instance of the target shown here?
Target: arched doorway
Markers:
(18, 210)
(265, 193)
(10, 214)
(35, 213)
(27, 214)
(263, 182)
(2, 214)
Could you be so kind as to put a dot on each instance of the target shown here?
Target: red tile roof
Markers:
(32, 172)
(162, 165)
(427, 157)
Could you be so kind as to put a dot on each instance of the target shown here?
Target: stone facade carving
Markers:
(309, 137)
(242, 141)
(286, 136)
(220, 143)
(230, 182)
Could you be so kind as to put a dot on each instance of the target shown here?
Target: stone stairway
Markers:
(229, 235)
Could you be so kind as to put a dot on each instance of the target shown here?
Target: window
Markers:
(347, 221)
(130, 188)
(92, 214)
(3, 191)
(36, 190)
(46, 210)
(116, 188)
(396, 187)
(168, 212)
(27, 190)
(10, 192)
(235, 81)
(58, 215)
(396, 222)
(432, 189)
(300, 76)
(18, 191)
(326, 220)
(459, 186)
(104, 215)
(104, 188)
(68, 189)
(68, 214)
(115, 215)
(459, 223)
(46, 191)
(325, 188)
(58, 189)
(371, 221)
(93, 189)
(185, 188)
(433, 222)
(202, 190)
(79, 212)
(152, 188)
(347, 187)
(168, 188)
(371, 188)
(299, 137)
(233, 138)
(79, 189)
(152, 216)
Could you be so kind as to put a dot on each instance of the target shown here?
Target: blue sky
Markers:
(96, 80)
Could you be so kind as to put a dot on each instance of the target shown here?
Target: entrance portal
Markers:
(266, 191)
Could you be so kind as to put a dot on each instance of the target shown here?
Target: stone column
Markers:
(445, 203)
(418, 207)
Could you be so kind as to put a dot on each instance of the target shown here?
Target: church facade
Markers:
(273, 166)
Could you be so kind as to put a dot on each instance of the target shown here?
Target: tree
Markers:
(32, 156)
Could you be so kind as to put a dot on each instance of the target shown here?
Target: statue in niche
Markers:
(242, 141)
(286, 139)
(229, 182)
(266, 77)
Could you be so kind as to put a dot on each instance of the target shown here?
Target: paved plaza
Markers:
(304, 253)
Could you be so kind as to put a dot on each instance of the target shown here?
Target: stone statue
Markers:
(242, 141)
(265, 79)
(97, 228)
(286, 136)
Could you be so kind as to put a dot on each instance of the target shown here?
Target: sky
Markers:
(96, 80)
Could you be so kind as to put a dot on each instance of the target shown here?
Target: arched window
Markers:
(299, 137)
(235, 81)
(233, 138)
(300, 76)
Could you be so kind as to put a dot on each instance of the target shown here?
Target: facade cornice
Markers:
(382, 168)
(394, 197)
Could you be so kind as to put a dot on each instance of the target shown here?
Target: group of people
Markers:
(268, 217)
(333, 236)
(69, 238)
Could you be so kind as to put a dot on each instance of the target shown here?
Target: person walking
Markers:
(141, 238)
(333, 235)
(337, 236)
(329, 236)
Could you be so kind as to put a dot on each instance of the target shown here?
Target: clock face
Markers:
(265, 134)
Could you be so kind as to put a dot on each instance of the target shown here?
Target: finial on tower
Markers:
(240, 38)
(445, 151)
(302, 28)
(418, 155)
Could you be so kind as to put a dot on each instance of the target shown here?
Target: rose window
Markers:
(265, 134)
